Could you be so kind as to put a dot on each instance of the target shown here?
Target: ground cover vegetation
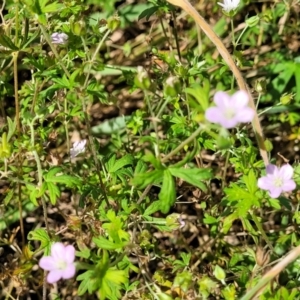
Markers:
(149, 149)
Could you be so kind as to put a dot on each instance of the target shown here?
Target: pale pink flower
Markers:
(230, 110)
(60, 263)
(59, 38)
(78, 147)
(277, 180)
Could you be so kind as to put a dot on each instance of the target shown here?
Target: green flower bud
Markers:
(286, 98)
(142, 79)
(172, 86)
(113, 22)
(220, 274)
(5, 147)
(260, 86)
(267, 16)
(253, 21)
(174, 221)
(268, 145)
(78, 28)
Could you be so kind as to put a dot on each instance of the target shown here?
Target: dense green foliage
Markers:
(160, 203)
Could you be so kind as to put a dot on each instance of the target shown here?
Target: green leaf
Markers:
(103, 243)
(54, 192)
(144, 179)
(147, 13)
(11, 128)
(227, 223)
(153, 160)
(110, 126)
(192, 176)
(241, 199)
(53, 7)
(42, 236)
(90, 282)
(54, 177)
(120, 163)
(167, 195)
(251, 181)
(152, 208)
(7, 42)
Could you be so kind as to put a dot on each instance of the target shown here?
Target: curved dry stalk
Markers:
(284, 262)
(188, 8)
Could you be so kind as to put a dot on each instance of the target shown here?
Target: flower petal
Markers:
(228, 123)
(213, 114)
(54, 276)
(286, 172)
(275, 192)
(272, 170)
(69, 272)
(69, 254)
(47, 263)
(57, 251)
(244, 115)
(265, 183)
(222, 100)
(239, 99)
(288, 185)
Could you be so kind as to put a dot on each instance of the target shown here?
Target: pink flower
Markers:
(60, 263)
(78, 147)
(277, 180)
(230, 110)
(59, 38)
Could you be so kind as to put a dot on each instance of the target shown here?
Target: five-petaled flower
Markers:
(60, 263)
(59, 38)
(230, 110)
(277, 180)
(229, 5)
(78, 147)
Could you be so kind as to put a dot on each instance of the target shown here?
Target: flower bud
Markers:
(59, 38)
(253, 21)
(268, 145)
(267, 16)
(286, 98)
(142, 79)
(172, 86)
(174, 221)
(260, 86)
(113, 22)
(78, 28)
(5, 147)
(220, 274)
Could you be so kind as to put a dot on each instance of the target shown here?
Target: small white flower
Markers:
(229, 5)
(59, 38)
(78, 147)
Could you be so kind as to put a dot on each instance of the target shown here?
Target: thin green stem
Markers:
(258, 225)
(94, 57)
(184, 143)
(225, 169)
(47, 38)
(154, 122)
(232, 31)
(17, 108)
